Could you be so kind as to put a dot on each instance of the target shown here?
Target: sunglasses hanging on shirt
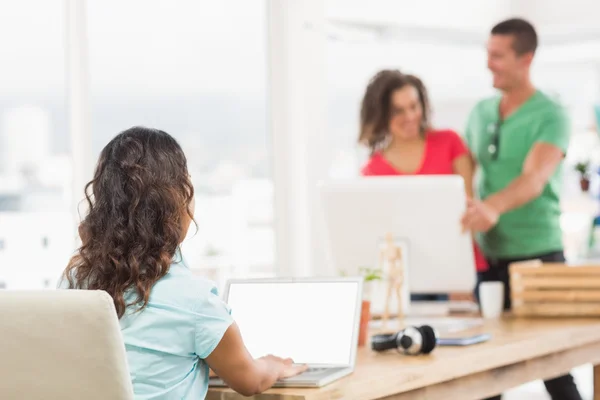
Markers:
(494, 132)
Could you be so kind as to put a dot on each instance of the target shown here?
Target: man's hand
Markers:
(479, 217)
(541, 162)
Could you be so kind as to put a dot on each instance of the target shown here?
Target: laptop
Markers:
(314, 321)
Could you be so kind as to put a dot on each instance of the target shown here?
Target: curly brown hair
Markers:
(140, 194)
(375, 111)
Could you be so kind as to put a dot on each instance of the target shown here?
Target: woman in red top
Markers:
(395, 124)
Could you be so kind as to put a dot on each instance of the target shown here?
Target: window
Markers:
(35, 167)
(196, 70)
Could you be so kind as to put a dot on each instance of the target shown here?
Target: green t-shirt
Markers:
(533, 228)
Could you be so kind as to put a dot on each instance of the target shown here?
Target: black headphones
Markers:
(411, 340)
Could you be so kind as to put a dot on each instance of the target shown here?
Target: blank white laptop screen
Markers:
(310, 322)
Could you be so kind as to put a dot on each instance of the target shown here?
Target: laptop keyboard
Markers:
(314, 370)
(314, 373)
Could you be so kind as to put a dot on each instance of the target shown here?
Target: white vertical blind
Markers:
(78, 104)
(297, 87)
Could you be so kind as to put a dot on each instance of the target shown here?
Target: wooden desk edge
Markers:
(475, 386)
(576, 346)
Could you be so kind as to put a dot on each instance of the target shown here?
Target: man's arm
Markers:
(540, 164)
(549, 148)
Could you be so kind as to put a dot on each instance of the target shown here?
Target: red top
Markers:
(441, 149)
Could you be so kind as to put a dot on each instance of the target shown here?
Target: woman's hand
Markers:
(287, 367)
(232, 362)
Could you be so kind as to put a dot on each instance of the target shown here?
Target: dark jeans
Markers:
(562, 387)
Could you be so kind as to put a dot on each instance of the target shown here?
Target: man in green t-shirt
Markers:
(518, 140)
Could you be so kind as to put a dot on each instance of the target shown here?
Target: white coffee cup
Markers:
(491, 299)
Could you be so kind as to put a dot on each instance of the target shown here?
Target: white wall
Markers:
(464, 14)
(559, 15)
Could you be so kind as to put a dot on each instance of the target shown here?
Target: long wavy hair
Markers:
(375, 111)
(140, 199)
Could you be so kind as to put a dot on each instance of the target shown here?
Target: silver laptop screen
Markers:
(310, 322)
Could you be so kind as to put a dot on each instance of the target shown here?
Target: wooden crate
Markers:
(555, 290)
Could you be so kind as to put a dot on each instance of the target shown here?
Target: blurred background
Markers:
(264, 98)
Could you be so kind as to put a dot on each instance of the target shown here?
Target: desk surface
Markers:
(509, 358)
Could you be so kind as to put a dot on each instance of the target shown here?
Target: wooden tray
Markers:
(555, 290)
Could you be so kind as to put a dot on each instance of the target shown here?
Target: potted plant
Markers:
(370, 275)
(584, 177)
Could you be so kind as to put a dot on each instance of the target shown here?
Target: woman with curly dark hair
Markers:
(174, 325)
(395, 124)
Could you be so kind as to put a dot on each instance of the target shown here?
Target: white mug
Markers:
(491, 299)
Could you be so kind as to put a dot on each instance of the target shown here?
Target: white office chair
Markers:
(61, 344)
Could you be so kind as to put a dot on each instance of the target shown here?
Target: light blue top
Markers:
(166, 342)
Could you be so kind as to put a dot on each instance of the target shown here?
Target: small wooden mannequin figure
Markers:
(391, 257)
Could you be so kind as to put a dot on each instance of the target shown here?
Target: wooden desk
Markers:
(521, 350)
